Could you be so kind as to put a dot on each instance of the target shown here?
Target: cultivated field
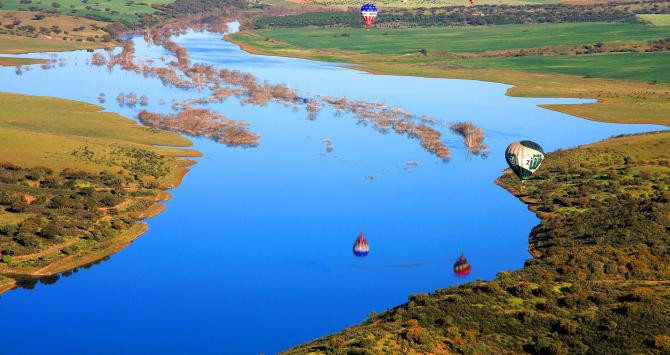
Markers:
(650, 67)
(464, 39)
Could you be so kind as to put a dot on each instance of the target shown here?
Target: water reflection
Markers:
(30, 283)
(222, 83)
(221, 246)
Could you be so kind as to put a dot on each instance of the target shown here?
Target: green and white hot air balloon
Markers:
(524, 157)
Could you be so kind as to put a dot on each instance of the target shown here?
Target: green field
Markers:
(63, 126)
(106, 10)
(433, 3)
(465, 39)
(656, 19)
(650, 67)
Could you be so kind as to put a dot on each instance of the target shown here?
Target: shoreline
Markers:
(104, 249)
(582, 274)
(138, 200)
(524, 83)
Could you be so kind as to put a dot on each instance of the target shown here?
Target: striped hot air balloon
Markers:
(368, 13)
(361, 247)
(462, 266)
(524, 157)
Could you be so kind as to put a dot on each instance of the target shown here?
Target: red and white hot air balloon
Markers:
(368, 13)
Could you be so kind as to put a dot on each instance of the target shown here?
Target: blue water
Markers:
(253, 253)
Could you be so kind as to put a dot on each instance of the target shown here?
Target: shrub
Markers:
(51, 231)
(662, 342)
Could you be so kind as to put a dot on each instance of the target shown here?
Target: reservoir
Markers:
(254, 251)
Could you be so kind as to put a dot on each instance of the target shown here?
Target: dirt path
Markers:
(47, 251)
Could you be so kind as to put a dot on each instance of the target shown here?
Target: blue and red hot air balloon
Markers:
(462, 266)
(361, 247)
(369, 13)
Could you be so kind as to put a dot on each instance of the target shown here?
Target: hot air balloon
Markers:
(369, 13)
(524, 157)
(472, 2)
(361, 247)
(462, 266)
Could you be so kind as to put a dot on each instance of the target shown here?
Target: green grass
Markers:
(5, 61)
(63, 126)
(127, 10)
(650, 67)
(656, 19)
(18, 44)
(465, 39)
(13, 217)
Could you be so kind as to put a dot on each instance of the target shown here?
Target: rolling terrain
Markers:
(78, 195)
(598, 280)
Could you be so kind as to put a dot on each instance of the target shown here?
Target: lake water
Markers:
(253, 253)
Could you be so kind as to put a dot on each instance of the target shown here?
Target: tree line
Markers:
(473, 16)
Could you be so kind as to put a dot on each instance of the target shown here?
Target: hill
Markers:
(78, 195)
(599, 279)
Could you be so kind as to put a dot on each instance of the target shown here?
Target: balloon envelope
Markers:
(462, 266)
(524, 157)
(361, 247)
(368, 13)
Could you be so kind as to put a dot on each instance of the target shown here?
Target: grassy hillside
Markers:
(52, 26)
(110, 11)
(464, 39)
(62, 126)
(599, 279)
(76, 195)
